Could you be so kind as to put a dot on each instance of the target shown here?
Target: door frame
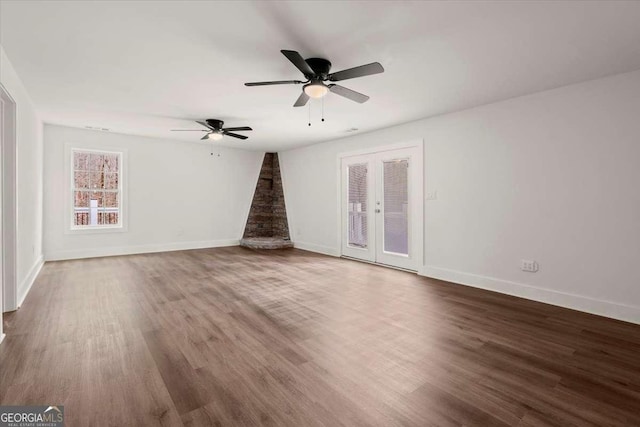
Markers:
(8, 165)
(418, 227)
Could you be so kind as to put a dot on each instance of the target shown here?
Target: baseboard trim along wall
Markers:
(576, 302)
(139, 249)
(25, 286)
(312, 247)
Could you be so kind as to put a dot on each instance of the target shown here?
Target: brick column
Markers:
(268, 214)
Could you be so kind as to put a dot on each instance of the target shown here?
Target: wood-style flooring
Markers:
(231, 336)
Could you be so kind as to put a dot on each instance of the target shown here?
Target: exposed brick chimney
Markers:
(267, 226)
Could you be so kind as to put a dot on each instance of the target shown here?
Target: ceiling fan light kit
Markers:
(316, 89)
(215, 136)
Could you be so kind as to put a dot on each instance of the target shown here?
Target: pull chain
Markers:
(309, 112)
(323, 108)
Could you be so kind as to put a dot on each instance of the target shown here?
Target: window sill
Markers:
(96, 230)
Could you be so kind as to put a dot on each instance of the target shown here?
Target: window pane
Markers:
(358, 205)
(111, 181)
(111, 163)
(96, 162)
(97, 197)
(108, 218)
(81, 218)
(81, 199)
(111, 199)
(96, 180)
(80, 161)
(81, 180)
(396, 201)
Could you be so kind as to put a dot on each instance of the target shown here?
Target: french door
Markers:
(381, 207)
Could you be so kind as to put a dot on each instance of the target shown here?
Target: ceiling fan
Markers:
(215, 131)
(316, 71)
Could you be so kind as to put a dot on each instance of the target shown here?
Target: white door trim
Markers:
(418, 226)
(8, 203)
(378, 149)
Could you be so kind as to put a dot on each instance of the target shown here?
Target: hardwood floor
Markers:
(231, 337)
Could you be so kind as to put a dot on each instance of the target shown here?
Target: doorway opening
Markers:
(381, 206)
(8, 207)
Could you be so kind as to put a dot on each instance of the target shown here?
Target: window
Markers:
(96, 189)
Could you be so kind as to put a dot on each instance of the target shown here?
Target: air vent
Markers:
(350, 130)
(97, 128)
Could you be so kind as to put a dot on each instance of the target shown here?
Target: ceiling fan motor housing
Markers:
(320, 66)
(216, 124)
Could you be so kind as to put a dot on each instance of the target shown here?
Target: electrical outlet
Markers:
(432, 195)
(528, 265)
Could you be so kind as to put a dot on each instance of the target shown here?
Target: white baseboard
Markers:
(138, 249)
(312, 247)
(576, 302)
(25, 286)
(2, 337)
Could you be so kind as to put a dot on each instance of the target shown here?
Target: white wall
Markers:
(29, 179)
(179, 196)
(552, 177)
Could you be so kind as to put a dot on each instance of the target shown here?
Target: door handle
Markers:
(377, 210)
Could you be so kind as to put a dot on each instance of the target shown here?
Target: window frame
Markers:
(70, 227)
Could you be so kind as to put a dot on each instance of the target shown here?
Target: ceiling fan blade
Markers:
(348, 93)
(189, 130)
(235, 135)
(361, 71)
(205, 124)
(205, 137)
(299, 62)
(302, 100)
(279, 82)
(237, 129)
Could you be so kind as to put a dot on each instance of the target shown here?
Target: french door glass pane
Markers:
(358, 205)
(396, 202)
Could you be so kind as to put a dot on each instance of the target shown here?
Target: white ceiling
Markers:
(146, 67)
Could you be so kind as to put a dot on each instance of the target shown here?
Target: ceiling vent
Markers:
(97, 128)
